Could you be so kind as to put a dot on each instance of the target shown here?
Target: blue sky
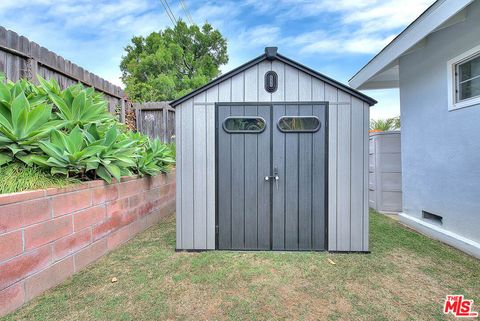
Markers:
(335, 37)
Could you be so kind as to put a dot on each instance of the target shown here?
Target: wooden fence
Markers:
(156, 119)
(22, 58)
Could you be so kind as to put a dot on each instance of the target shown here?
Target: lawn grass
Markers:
(17, 177)
(406, 277)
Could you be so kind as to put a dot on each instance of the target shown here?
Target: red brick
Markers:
(154, 217)
(47, 232)
(118, 237)
(11, 298)
(48, 278)
(113, 223)
(136, 200)
(90, 254)
(157, 181)
(20, 267)
(116, 207)
(71, 243)
(133, 187)
(21, 196)
(89, 217)
(71, 202)
(144, 209)
(22, 214)
(11, 244)
(67, 189)
(97, 183)
(137, 226)
(104, 194)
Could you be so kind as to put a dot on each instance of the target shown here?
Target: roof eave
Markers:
(427, 22)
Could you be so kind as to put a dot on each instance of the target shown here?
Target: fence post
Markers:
(122, 111)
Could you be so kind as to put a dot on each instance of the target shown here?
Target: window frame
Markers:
(299, 131)
(244, 131)
(453, 80)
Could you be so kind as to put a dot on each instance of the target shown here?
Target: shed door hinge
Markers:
(216, 229)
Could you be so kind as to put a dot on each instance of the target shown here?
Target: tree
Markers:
(170, 63)
(384, 125)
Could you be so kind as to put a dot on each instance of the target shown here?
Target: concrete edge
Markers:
(463, 244)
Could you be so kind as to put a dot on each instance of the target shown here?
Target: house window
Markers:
(464, 89)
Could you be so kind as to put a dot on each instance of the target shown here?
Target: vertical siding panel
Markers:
(225, 90)
(366, 126)
(318, 90)
(178, 178)
(305, 184)
(278, 208)
(199, 172)
(331, 95)
(279, 68)
(343, 173)
(304, 87)
(251, 84)
(263, 67)
(357, 167)
(291, 185)
(251, 179)
(212, 96)
(238, 82)
(224, 183)
(238, 184)
(187, 144)
(291, 83)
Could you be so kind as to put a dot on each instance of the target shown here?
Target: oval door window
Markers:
(299, 124)
(244, 124)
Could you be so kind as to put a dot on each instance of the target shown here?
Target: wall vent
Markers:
(433, 218)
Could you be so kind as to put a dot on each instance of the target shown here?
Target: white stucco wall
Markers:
(441, 148)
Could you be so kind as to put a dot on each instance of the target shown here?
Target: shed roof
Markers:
(271, 54)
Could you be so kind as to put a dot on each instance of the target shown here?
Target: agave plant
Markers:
(155, 157)
(68, 154)
(118, 153)
(77, 106)
(25, 118)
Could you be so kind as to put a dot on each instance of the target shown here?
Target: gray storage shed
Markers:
(272, 156)
(385, 172)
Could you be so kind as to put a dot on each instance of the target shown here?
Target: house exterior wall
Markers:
(347, 154)
(441, 148)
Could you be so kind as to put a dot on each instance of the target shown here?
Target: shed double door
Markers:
(271, 176)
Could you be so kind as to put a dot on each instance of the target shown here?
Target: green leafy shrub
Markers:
(384, 125)
(69, 133)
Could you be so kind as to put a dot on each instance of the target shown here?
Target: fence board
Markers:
(22, 58)
(156, 119)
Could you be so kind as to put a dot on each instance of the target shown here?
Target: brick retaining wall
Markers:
(48, 235)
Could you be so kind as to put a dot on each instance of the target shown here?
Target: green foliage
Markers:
(385, 124)
(77, 106)
(155, 157)
(168, 64)
(70, 133)
(17, 177)
(25, 118)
